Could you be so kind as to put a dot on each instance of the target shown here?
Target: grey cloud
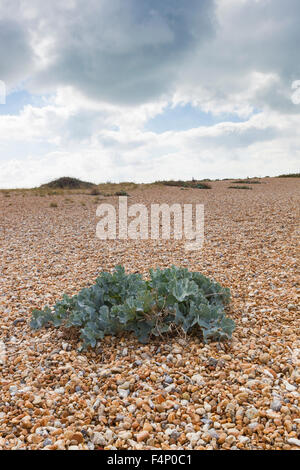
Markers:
(136, 51)
(82, 125)
(124, 52)
(16, 55)
(236, 138)
(261, 36)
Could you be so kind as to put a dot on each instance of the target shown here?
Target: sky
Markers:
(145, 90)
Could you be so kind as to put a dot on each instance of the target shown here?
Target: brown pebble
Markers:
(142, 436)
(78, 437)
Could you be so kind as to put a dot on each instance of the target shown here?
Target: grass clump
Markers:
(202, 186)
(171, 299)
(247, 182)
(239, 187)
(121, 193)
(187, 184)
(179, 183)
(53, 204)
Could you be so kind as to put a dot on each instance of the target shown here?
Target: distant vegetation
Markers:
(121, 193)
(239, 187)
(247, 182)
(290, 175)
(72, 185)
(95, 192)
(201, 185)
(68, 183)
(186, 184)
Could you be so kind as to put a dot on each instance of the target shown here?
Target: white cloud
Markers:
(257, 146)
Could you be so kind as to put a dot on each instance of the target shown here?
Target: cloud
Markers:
(251, 60)
(225, 55)
(296, 93)
(16, 54)
(125, 53)
(102, 152)
(106, 69)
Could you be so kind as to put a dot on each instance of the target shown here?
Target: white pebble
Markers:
(294, 442)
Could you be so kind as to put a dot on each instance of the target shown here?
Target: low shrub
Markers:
(67, 182)
(53, 204)
(172, 298)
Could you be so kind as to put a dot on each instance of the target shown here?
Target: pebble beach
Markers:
(175, 392)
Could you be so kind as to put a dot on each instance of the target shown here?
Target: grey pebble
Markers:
(276, 405)
(168, 379)
(19, 320)
(47, 442)
(13, 389)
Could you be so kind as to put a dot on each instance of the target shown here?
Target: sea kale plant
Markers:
(170, 299)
